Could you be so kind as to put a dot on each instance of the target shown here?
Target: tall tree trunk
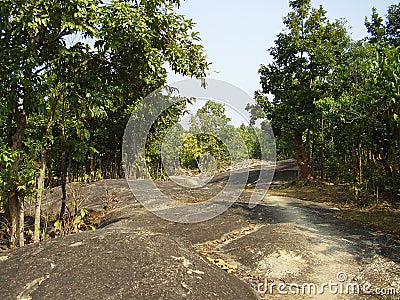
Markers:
(88, 170)
(302, 157)
(63, 165)
(11, 210)
(383, 158)
(360, 167)
(40, 188)
(322, 148)
(21, 223)
(15, 215)
(42, 172)
(63, 185)
(14, 208)
(50, 179)
(354, 163)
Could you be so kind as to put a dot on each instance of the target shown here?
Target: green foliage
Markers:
(92, 84)
(196, 147)
(73, 223)
(386, 32)
(339, 99)
(362, 118)
(212, 143)
(209, 135)
(251, 139)
(159, 131)
(71, 72)
(304, 57)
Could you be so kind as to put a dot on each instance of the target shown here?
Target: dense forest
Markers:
(335, 102)
(73, 71)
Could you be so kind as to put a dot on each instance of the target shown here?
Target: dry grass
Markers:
(385, 220)
(316, 191)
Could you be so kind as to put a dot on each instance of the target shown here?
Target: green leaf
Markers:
(57, 225)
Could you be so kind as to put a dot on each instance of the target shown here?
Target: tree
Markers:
(388, 32)
(54, 86)
(361, 114)
(208, 128)
(32, 38)
(346, 115)
(304, 56)
(211, 135)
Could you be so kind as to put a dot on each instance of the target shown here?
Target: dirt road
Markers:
(308, 251)
(284, 248)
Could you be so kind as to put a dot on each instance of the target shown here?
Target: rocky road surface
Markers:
(284, 248)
